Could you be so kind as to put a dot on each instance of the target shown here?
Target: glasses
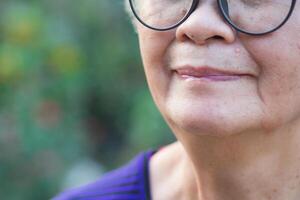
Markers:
(252, 17)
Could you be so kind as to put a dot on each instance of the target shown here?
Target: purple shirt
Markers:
(129, 182)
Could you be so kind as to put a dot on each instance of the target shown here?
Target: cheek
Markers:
(153, 47)
(153, 44)
(278, 57)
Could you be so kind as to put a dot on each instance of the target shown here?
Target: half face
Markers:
(207, 79)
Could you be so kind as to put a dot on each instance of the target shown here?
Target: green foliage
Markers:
(72, 87)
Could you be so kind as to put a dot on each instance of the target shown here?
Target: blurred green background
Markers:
(74, 101)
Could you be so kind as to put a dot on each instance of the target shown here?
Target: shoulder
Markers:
(130, 181)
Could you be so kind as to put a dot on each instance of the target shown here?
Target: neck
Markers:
(245, 166)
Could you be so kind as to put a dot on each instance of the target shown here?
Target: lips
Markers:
(206, 72)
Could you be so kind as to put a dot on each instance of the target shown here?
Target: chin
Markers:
(216, 122)
(206, 127)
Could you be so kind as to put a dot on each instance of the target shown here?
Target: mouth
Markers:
(208, 73)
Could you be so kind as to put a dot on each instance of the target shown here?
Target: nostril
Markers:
(184, 38)
(217, 37)
(197, 39)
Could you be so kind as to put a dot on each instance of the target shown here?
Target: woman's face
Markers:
(208, 79)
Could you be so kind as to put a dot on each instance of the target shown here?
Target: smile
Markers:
(208, 73)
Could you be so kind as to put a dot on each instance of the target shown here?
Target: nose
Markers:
(205, 24)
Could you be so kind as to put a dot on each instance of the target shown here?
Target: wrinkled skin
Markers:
(264, 101)
(242, 135)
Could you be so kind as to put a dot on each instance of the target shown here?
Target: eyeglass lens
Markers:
(254, 16)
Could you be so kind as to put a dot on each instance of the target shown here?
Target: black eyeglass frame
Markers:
(224, 15)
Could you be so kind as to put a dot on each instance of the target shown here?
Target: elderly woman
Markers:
(225, 75)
